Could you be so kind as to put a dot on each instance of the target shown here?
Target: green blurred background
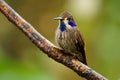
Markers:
(98, 20)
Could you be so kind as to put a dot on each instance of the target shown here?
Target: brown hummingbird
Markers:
(69, 37)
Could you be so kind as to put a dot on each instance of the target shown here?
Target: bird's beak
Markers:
(58, 18)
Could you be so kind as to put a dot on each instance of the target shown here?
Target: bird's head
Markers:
(66, 21)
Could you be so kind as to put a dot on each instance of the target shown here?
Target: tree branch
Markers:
(46, 46)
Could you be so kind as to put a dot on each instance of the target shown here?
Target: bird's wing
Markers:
(80, 45)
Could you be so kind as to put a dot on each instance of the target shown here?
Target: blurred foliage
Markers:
(98, 20)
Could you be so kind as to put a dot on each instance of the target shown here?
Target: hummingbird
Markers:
(69, 37)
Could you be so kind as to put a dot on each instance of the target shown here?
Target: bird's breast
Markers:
(66, 40)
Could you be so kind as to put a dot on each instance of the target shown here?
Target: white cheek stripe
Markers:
(66, 23)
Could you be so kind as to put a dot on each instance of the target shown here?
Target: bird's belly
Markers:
(66, 41)
(68, 46)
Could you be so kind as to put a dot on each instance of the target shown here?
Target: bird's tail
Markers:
(81, 58)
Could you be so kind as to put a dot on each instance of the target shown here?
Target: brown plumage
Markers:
(69, 37)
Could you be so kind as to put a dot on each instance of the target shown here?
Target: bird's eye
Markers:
(68, 19)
